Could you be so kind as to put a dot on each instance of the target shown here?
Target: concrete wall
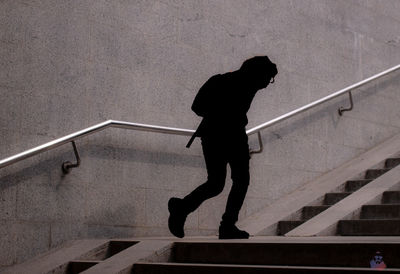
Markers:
(69, 64)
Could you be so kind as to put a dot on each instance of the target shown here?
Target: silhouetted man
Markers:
(223, 102)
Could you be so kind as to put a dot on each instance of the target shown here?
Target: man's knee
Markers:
(241, 178)
(216, 185)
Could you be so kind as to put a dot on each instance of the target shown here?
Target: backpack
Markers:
(203, 103)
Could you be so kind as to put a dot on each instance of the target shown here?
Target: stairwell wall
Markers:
(67, 65)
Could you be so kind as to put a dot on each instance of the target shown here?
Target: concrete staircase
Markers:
(347, 198)
(377, 219)
(332, 198)
(210, 255)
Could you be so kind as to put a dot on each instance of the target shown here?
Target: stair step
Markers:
(175, 268)
(78, 266)
(387, 211)
(391, 197)
(286, 226)
(332, 254)
(311, 211)
(392, 162)
(108, 250)
(375, 173)
(334, 197)
(355, 185)
(389, 227)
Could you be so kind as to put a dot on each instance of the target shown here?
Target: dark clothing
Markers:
(218, 152)
(224, 140)
(223, 102)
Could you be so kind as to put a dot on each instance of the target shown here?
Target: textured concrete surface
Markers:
(123, 261)
(170, 249)
(66, 65)
(265, 221)
(326, 222)
(57, 259)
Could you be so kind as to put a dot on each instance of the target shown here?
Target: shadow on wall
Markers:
(18, 175)
(135, 155)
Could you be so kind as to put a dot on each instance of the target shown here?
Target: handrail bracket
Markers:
(67, 165)
(261, 146)
(342, 109)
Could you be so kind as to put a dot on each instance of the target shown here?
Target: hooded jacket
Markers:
(224, 100)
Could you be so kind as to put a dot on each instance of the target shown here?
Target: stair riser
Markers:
(391, 197)
(75, 268)
(286, 226)
(369, 228)
(352, 186)
(299, 254)
(391, 163)
(311, 211)
(333, 198)
(374, 173)
(380, 212)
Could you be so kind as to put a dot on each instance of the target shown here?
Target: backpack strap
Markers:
(195, 134)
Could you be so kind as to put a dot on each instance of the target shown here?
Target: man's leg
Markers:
(239, 163)
(216, 162)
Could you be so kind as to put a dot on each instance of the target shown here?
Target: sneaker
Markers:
(232, 232)
(177, 217)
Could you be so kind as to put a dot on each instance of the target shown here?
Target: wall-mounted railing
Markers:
(88, 131)
(179, 131)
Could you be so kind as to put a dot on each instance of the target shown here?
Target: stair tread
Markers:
(292, 221)
(241, 267)
(86, 261)
(317, 206)
(359, 180)
(361, 220)
(341, 193)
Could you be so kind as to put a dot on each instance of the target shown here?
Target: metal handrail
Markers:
(320, 101)
(179, 131)
(90, 130)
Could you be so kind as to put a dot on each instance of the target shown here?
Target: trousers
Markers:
(218, 153)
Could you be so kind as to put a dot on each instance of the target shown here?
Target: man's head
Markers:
(259, 70)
